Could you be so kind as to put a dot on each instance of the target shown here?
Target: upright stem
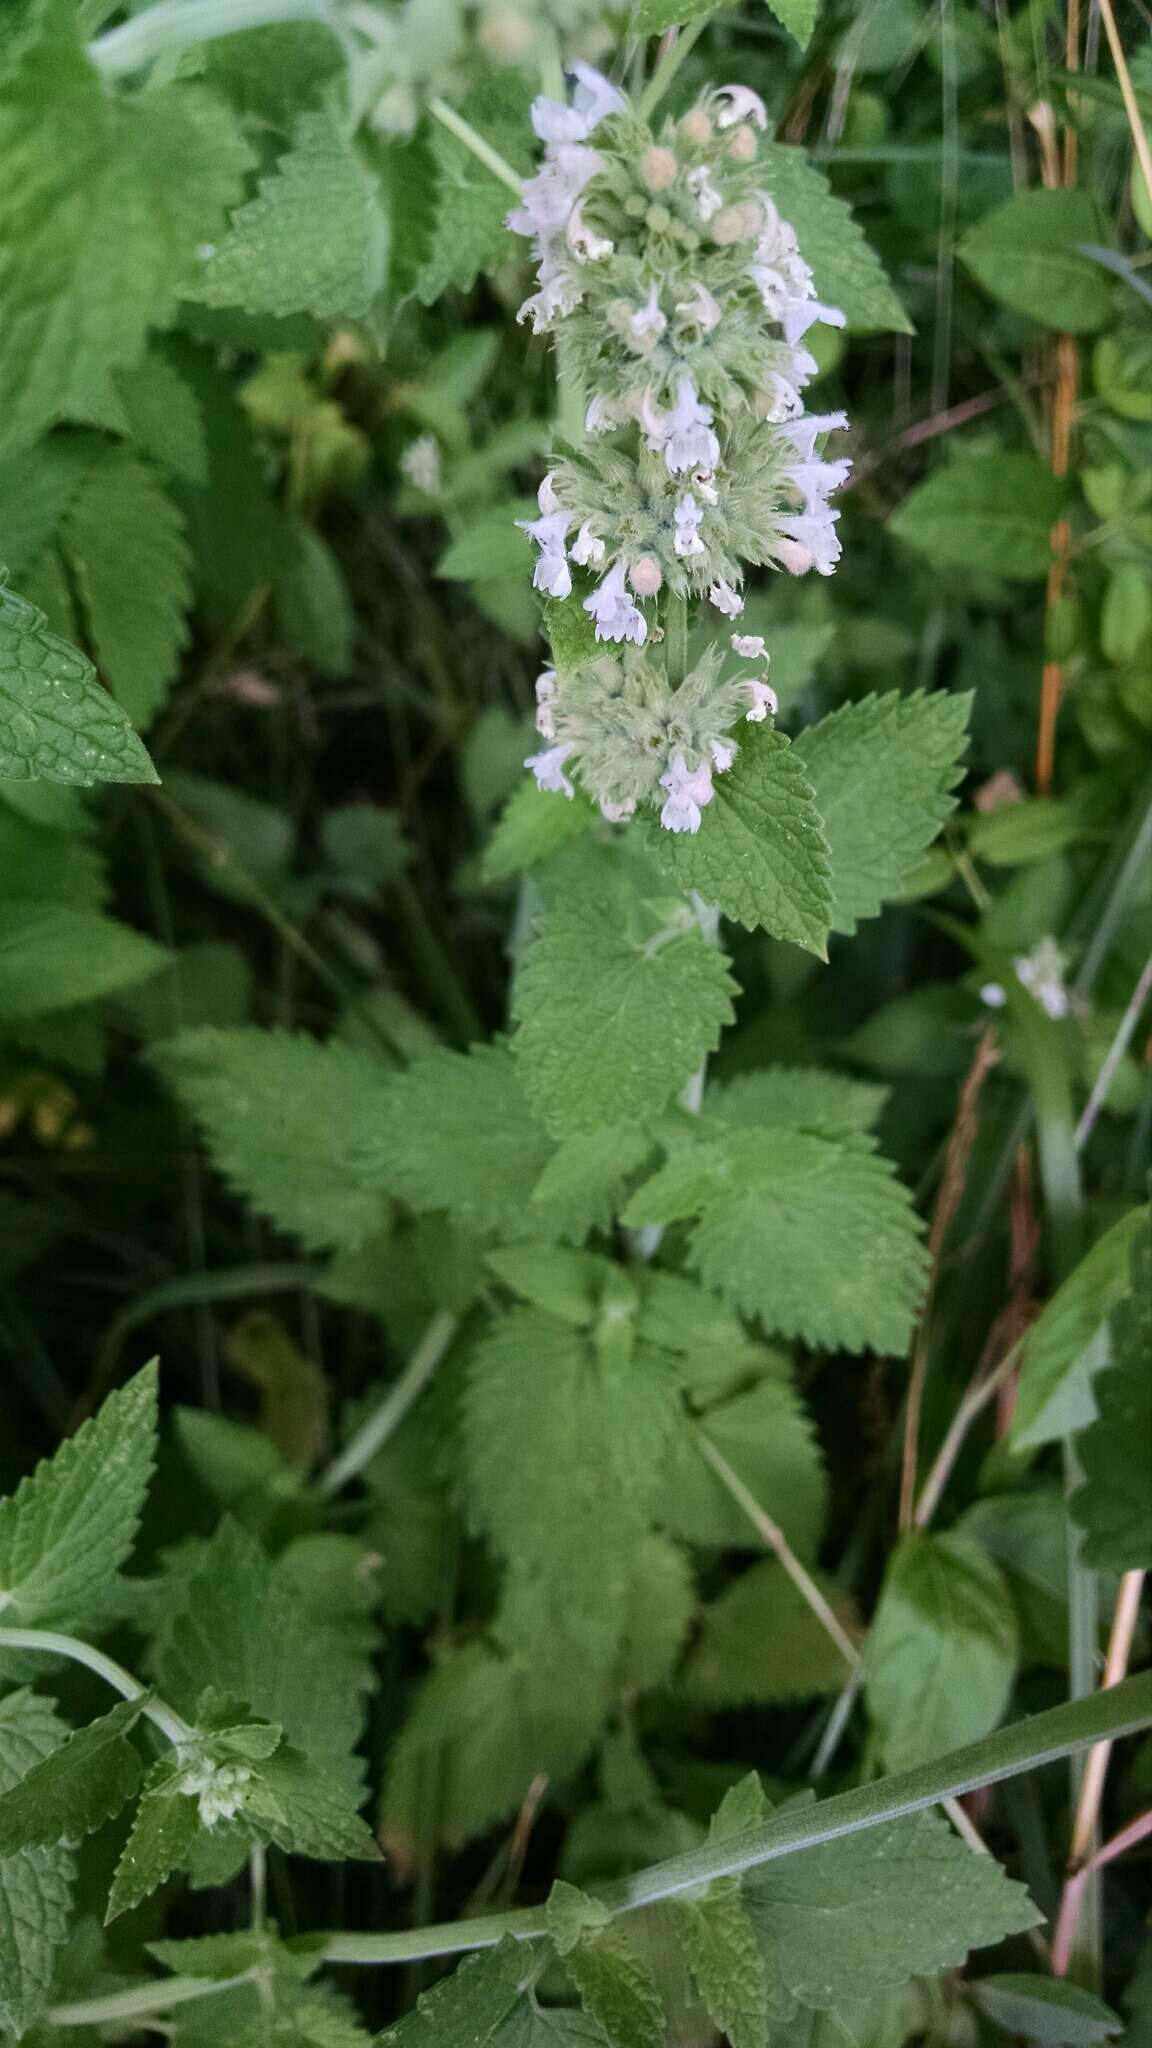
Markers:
(481, 150)
(376, 1429)
(180, 24)
(170, 1723)
(676, 638)
(669, 65)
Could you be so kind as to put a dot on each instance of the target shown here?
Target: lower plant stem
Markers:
(170, 1723)
(375, 1431)
(1127, 94)
(141, 2000)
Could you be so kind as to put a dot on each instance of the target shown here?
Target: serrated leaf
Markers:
(799, 1098)
(163, 416)
(56, 722)
(991, 512)
(660, 1604)
(1114, 1504)
(93, 1773)
(797, 16)
(725, 1960)
(813, 1236)
(1027, 254)
(456, 1132)
(35, 1884)
(883, 771)
(904, 1899)
(70, 1525)
(469, 236)
(759, 1641)
(611, 1023)
(165, 1826)
(1046, 2010)
(491, 546)
(37, 485)
(768, 1439)
(285, 1118)
(942, 1651)
(125, 541)
(618, 1991)
(533, 824)
(760, 853)
(53, 956)
(586, 1176)
(1061, 1352)
(652, 17)
(847, 273)
(469, 2009)
(105, 201)
(317, 1803)
(314, 240)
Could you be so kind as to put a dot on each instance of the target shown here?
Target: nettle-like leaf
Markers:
(760, 1641)
(104, 204)
(801, 1098)
(992, 512)
(35, 1883)
(767, 1437)
(1114, 1504)
(57, 723)
(1028, 255)
(1046, 2011)
(883, 771)
(532, 826)
(70, 1525)
(285, 1120)
(79, 1786)
(760, 854)
(846, 271)
(616, 1985)
(942, 1651)
(314, 240)
(163, 1830)
(613, 1020)
(723, 1952)
(53, 956)
(469, 236)
(1062, 1351)
(814, 1236)
(37, 485)
(470, 2008)
(125, 541)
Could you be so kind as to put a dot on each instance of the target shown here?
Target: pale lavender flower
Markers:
(586, 549)
(684, 433)
(702, 310)
(689, 790)
(739, 103)
(749, 646)
(648, 323)
(548, 768)
(688, 515)
(726, 599)
(806, 431)
(762, 700)
(551, 572)
(616, 617)
(708, 199)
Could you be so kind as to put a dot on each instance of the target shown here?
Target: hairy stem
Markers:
(669, 65)
(141, 2000)
(676, 638)
(169, 1722)
(376, 1429)
(481, 150)
(180, 24)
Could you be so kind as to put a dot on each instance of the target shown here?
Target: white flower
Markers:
(551, 572)
(801, 314)
(546, 688)
(708, 199)
(804, 432)
(586, 245)
(739, 103)
(549, 197)
(723, 754)
(815, 479)
(726, 599)
(701, 310)
(994, 995)
(219, 1789)
(648, 323)
(705, 487)
(560, 292)
(780, 400)
(548, 768)
(592, 101)
(1041, 972)
(685, 433)
(617, 618)
(749, 646)
(815, 538)
(586, 549)
(420, 463)
(600, 415)
(762, 699)
(688, 792)
(688, 515)
(617, 814)
(546, 495)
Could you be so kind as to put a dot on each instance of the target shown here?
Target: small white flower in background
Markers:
(616, 617)
(548, 768)
(739, 103)
(586, 550)
(421, 464)
(218, 1788)
(688, 516)
(688, 792)
(761, 699)
(1042, 972)
(749, 646)
(726, 599)
(708, 199)
(648, 323)
(994, 995)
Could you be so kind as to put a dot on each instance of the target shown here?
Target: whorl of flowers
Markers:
(683, 301)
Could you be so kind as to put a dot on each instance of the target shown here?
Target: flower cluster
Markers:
(1042, 972)
(684, 302)
(634, 738)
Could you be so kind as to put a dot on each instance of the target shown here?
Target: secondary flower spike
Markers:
(684, 301)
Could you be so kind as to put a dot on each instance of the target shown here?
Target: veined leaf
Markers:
(1114, 1504)
(164, 1828)
(35, 1884)
(125, 540)
(76, 1788)
(942, 1652)
(53, 956)
(1027, 254)
(991, 512)
(846, 271)
(56, 721)
(1047, 2011)
(1055, 1394)
(760, 1641)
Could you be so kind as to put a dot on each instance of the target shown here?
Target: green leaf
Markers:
(799, 18)
(37, 485)
(618, 1991)
(992, 512)
(942, 1652)
(124, 539)
(759, 1641)
(612, 1022)
(166, 1825)
(284, 1118)
(816, 1238)
(585, 1178)
(105, 201)
(768, 1439)
(56, 722)
(883, 771)
(533, 824)
(1027, 254)
(77, 1788)
(1061, 1351)
(660, 1606)
(313, 607)
(35, 1884)
(469, 2009)
(799, 1098)
(70, 1525)
(723, 1953)
(52, 957)
(760, 853)
(317, 1809)
(456, 1132)
(492, 545)
(314, 240)
(652, 17)
(1046, 2010)
(163, 416)
(1114, 1504)
(846, 271)
(469, 236)
(903, 1900)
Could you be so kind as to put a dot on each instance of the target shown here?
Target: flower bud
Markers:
(658, 218)
(696, 128)
(737, 224)
(793, 556)
(505, 35)
(742, 144)
(657, 168)
(645, 576)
